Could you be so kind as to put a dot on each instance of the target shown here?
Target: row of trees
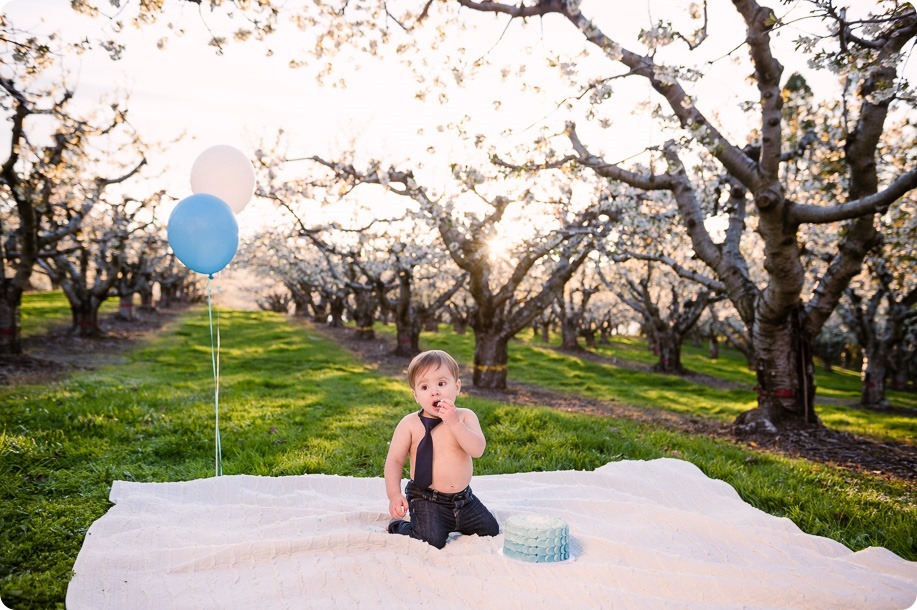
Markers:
(808, 175)
(65, 209)
(778, 221)
(383, 273)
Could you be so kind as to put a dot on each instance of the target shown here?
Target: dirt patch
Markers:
(49, 356)
(886, 459)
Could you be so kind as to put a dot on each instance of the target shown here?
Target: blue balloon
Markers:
(203, 233)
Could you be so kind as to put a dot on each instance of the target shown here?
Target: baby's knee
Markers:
(432, 536)
(436, 541)
(491, 529)
(439, 541)
(483, 527)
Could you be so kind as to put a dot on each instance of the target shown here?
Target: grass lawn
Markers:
(292, 402)
(42, 310)
(533, 362)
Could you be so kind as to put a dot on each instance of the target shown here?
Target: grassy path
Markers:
(293, 402)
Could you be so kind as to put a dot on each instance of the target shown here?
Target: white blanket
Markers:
(657, 534)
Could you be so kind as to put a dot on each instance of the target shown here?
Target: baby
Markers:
(438, 497)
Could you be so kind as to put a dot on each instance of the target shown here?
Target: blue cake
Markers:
(536, 538)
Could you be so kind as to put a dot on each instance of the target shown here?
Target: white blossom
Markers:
(613, 51)
(589, 29)
(572, 6)
(881, 95)
(664, 74)
(657, 36)
(600, 92)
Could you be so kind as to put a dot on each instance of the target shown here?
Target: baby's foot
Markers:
(395, 525)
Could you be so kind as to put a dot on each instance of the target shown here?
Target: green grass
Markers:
(43, 310)
(534, 362)
(731, 367)
(292, 402)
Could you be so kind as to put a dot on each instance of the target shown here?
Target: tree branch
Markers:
(870, 204)
(680, 270)
(760, 20)
(661, 79)
(666, 84)
(650, 182)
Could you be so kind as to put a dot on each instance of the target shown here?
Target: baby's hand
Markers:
(448, 412)
(398, 507)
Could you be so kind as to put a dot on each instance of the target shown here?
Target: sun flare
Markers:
(499, 246)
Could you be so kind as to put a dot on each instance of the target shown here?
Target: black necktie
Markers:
(423, 469)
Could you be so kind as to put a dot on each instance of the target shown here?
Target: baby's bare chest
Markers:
(443, 439)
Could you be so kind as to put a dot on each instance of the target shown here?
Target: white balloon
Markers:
(224, 172)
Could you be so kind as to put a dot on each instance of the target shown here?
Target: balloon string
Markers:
(219, 444)
(215, 361)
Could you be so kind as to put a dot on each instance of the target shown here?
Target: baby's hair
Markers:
(431, 359)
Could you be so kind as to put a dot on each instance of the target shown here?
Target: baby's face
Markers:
(432, 385)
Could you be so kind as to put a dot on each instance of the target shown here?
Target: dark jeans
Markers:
(434, 515)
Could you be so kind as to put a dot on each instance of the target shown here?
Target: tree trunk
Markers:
(407, 324)
(545, 333)
(568, 328)
(336, 311)
(10, 301)
(714, 347)
(407, 341)
(364, 325)
(169, 293)
(365, 331)
(301, 307)
(86, 319)
(786, 384)
(364, 315)
(126, 308)
(896, 347)
(605, 333)
(491, 355)
(408, 344)
(846, 358)
(146, 300)
(652, 342)
(899, 367)
(875, 370)
(668, 347)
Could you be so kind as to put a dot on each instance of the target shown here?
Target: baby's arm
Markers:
(465, 427)
(398, 451)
